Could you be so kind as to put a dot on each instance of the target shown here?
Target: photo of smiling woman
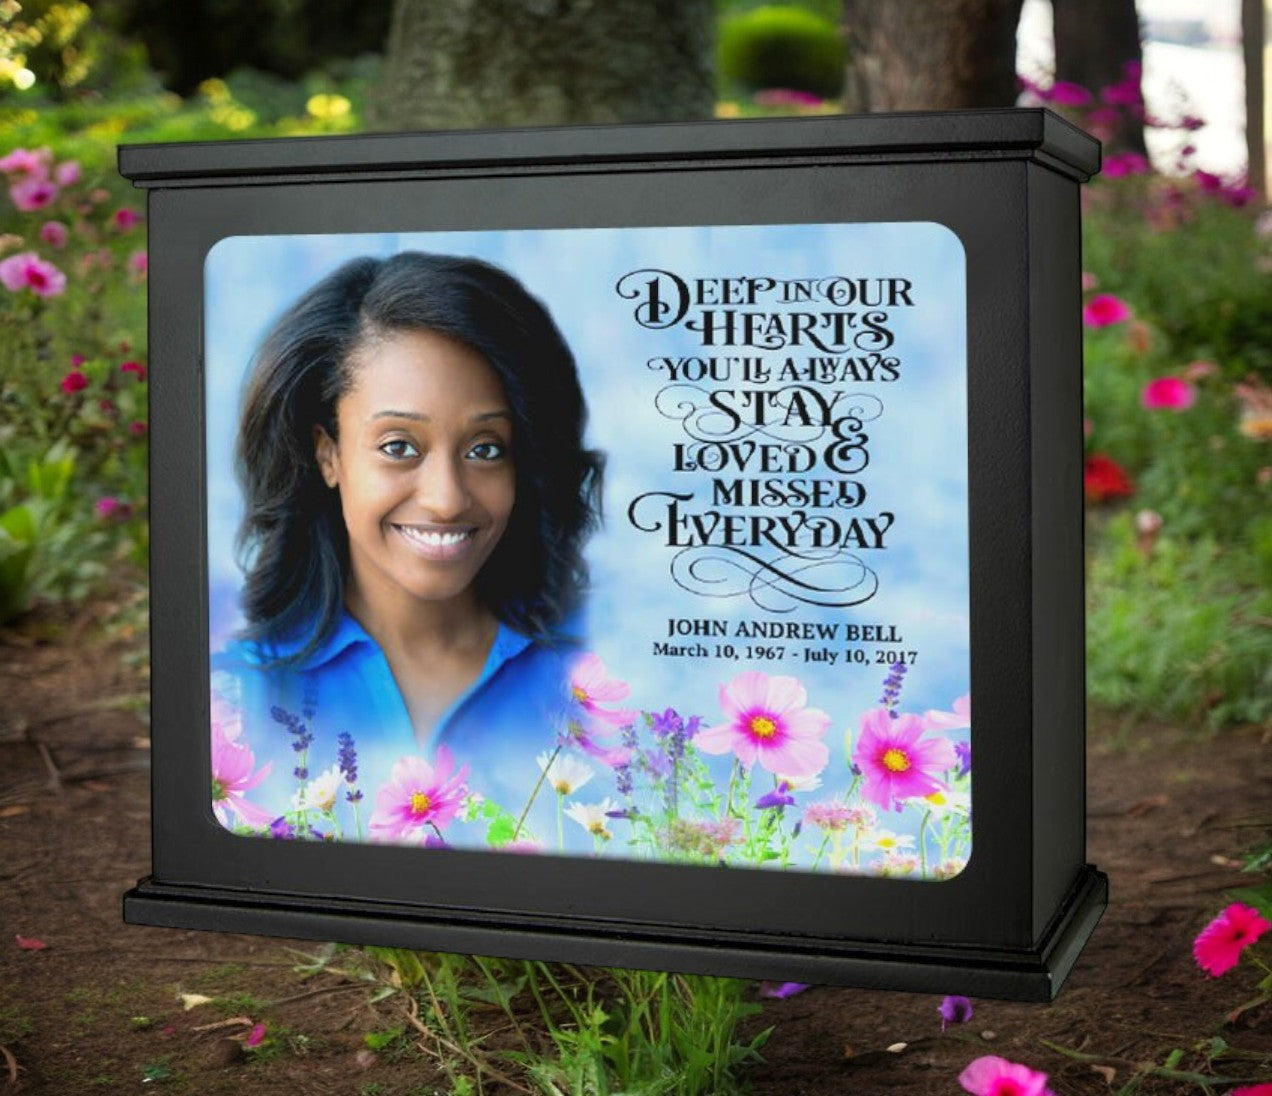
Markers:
(417, 494)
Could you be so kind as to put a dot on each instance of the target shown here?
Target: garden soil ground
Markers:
(98, 1009)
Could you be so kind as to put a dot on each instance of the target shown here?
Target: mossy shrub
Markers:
(777, 46)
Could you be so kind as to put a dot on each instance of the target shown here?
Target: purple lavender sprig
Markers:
(301, 738)
(892, 688)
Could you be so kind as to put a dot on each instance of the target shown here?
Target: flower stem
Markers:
(538, 784)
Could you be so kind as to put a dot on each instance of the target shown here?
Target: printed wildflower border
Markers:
(740, 791)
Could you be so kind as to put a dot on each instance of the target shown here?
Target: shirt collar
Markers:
(348, 632)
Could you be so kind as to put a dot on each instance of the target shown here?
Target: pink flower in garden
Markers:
(991, 1076)
(139, 262)
(1200, 370)
(126, 218)
(959, 718)
(419, 798)
(26, 164)
(256, 1036)
(232, 775)
(769, 722)
(1104, 309)
(136, 428)
(108, 507)
(1168, 394)
(134, 367)
(28, 271)
(73, 382)
(1264, 1089)
(54, 233)
(31, 194)
(1219, 945)
(786, 97)
(1089, 281)
(1126, 163)
(897, 761)
(67, 173)
(1064, 93)
(590, 685)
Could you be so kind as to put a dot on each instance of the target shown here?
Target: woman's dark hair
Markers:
(293, 544)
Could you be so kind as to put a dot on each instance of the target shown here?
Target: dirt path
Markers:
(98, 1009)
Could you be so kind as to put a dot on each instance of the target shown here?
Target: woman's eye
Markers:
(399, 449)
(488, 450)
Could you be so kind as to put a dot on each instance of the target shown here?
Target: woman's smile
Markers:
(438, 544)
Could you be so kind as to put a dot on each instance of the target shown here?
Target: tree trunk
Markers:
(931, 54)
(1095, 41)
(479, 63)
(1253, 34)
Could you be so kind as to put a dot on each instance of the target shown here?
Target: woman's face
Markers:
(424, 467)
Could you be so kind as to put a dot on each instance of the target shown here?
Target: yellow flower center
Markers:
(937, 799)
(896, 761)
(763, 727)
(420, 803)
(887, 842)
(579, 694)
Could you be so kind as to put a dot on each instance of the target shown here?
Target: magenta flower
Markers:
(1121, 164)
(419, 799)
(134, 367)
(136, 428)
(1219, 945)
(54, 233)
(139, 262)
(1264, 1089)
(232, 775)
(769, 722)
(1168, 394)
(991, 1076)
(256, 1036)
(108, 507)
(126, 218)
(590, 685)
(27, 270)
(67, 173)
(31, 194)
(1104, 309)
(73, 382)
(897, 761)
(1066, 94)
(26, 164)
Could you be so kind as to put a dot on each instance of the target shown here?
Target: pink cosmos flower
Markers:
(67, 173)
(232, 775)
(991, 1076)
(897, 761)
(1104, 309)
(1168, 394)
(1264, 1089)
(590, 685)
(959, 718)
(419, 798)
(54, 233)
(27, 270)
(769, 722)
(1219, 945)
(31, 194)
(126, 218)
(27, 164)
(73, 382)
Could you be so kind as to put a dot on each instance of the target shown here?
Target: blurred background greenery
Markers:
(1178, 259)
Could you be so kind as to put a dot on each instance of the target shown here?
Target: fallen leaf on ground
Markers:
(1107, 1072)
(12, 1063)
(14, 811)
(30, 943)
(194, 1000)
(896, 1048)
